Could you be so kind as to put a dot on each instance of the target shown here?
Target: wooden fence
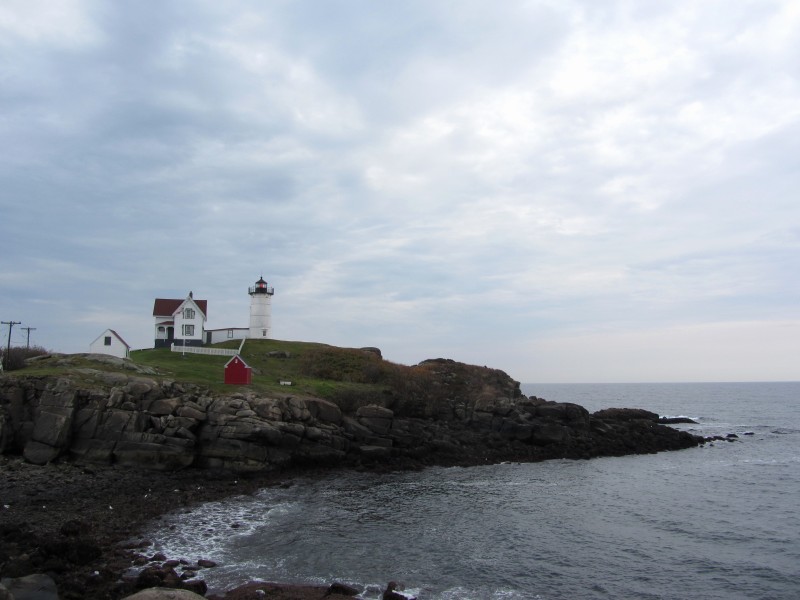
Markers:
(208, 351)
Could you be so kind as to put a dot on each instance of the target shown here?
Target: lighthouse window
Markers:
(264, 332)
(188, 313)
(188, 330)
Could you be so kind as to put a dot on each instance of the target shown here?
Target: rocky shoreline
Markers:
(82, 525)
(88, 457)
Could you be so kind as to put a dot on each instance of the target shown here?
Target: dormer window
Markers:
(188, 313)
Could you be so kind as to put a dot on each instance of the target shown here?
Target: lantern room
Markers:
(262, 288)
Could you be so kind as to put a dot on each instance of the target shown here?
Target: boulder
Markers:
(139, 389)
(206, 564)
(324, 411)
(560, 411)
(191, 412)
(93, 451)
(163, 457)
(52, 426)
(342, 589)
(675, 420)
(548, 433)
(316, 454)
(374, 452)
(354, 429)
(482, 420)
(40, 454)
(519, 431)
(31, 587)
(375, 418)
(164, 406)
(159, 593)
(626, 414)
(393, 591)
(297, 409)
(253, 430)
(373, 411)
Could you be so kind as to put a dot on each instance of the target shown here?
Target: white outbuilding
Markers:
(110, 342)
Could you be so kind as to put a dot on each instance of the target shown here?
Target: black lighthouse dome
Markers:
(261, 287)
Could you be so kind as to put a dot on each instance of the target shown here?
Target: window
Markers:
(107, 341)
(188, 330)
(188, 313)
(264, 332)
(230, 333)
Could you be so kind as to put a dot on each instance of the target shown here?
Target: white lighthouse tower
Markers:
(260, 309)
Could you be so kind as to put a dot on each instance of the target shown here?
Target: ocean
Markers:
(720, 521)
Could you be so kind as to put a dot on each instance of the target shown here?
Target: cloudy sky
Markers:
(571, 191)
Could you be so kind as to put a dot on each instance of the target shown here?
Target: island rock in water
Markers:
(447, 413)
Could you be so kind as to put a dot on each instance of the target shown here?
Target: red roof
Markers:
(116, 335)
(166, 307)
(119, 337)
(238, 362)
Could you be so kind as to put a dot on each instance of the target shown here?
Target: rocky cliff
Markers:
(447, 413)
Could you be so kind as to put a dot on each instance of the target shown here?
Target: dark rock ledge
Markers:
(85, 466)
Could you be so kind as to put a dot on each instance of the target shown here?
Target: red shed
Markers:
(237, 372)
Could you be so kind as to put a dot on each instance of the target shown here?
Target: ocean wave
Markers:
(697, 419)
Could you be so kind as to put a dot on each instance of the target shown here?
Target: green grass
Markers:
(349, 377)
(196, 368)
(314, 369)
(55, 365)
(339, 374)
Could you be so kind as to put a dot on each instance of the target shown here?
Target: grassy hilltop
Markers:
(350, 377)
(314, 369)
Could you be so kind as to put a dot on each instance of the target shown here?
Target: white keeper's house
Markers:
(183, 322)
(180, 322)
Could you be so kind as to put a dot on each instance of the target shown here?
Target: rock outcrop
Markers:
(460, 414)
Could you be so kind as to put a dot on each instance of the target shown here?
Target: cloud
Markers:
(435, 182)
(64, 25)
(723, 351)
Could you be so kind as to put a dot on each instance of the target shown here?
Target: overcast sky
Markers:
(570, 191)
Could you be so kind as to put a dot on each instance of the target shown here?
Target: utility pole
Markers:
(8, 347)
(28, 329)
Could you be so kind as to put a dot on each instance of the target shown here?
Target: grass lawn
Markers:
(350, 377)
(314, 369)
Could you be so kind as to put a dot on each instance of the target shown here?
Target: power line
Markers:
(28, 329)
(8, 348)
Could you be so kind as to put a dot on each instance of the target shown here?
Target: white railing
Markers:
(208, 351)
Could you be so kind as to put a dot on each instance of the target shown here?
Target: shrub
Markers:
(342, 364)
(17, 356)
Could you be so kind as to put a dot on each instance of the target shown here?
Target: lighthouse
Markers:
(260, 309)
